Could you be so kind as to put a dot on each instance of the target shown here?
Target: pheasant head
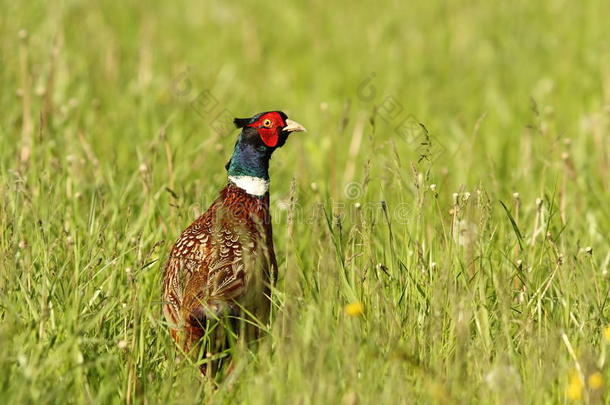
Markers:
(261, 135)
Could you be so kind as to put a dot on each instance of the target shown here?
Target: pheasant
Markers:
(218, 278)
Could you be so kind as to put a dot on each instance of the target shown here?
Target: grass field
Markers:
(474, 248)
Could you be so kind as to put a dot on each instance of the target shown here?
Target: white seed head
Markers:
(40, 90)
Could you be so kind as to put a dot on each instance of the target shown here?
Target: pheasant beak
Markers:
(293, 126)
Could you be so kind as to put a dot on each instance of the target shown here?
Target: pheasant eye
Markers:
(267, 123)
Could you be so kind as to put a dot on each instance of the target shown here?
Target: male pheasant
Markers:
(221, 268)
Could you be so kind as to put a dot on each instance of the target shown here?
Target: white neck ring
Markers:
(252, 185)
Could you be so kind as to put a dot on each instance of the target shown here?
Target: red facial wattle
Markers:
(269, 136)
(268, 127)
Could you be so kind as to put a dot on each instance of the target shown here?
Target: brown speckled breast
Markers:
(222, 262)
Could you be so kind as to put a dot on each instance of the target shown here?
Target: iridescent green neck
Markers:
(250, 160)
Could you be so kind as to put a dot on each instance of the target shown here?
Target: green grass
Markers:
(483, 297)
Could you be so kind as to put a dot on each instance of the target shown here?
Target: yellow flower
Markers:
(607, 333)
(574, 391)
(354, 309)
(595, 380)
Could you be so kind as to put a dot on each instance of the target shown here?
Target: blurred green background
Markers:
(114, 136)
